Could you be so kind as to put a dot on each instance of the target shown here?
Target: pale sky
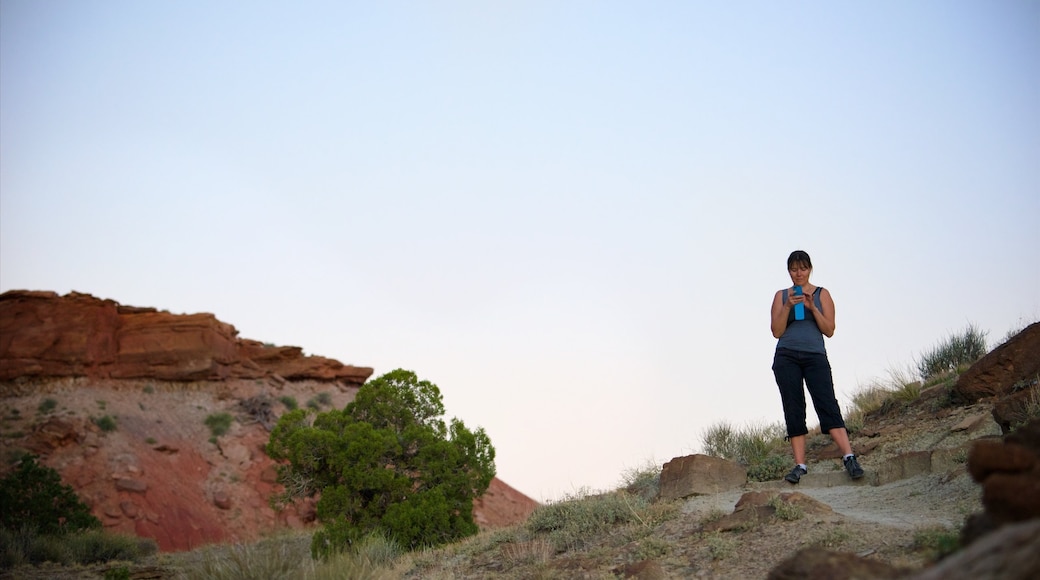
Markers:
(570, 216)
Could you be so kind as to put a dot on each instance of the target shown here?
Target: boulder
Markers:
(756, 507)
(1009, 472)
(699, 475)
(999, 373)
(817, 563)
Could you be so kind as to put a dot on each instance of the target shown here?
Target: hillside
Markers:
(123, 401)
(957, 460)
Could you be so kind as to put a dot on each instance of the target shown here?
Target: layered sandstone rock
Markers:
(699, 475)
(159, 471)
(1009, 472)
(44, 335)
(1006, 375)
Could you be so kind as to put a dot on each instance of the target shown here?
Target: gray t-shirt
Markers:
(803, 335)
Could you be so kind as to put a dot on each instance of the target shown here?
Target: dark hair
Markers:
(799, 257)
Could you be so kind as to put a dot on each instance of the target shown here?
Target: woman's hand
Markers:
(801, 299)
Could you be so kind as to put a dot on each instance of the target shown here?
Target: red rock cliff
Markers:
(77, 335)
(66, 361)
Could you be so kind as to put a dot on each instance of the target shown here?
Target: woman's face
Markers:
(800, 274)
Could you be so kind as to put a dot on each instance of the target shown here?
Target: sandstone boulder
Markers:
(1009, 472)
(1006, 366)
(817, 563)
(699, 475)
(756, 507)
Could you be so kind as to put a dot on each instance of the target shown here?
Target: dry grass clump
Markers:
(759, 447)
(287, 557)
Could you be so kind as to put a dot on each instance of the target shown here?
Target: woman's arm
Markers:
(824, 319)
(778, 314)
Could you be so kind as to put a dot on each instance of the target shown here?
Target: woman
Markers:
(801, 316)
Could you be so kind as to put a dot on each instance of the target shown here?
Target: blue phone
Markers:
(799, 309)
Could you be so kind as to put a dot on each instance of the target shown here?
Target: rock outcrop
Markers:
(45, 335)
(1007, 375)
(699, 475)
(119, 400)
(1009, 472)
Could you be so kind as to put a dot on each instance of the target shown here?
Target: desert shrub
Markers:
(320, 401)
(719, 440)
(33, 496)
(219, 423)
(572, 521)
(289, 402)
(278, 557)
(98, 546)
(769, 468)
(784, 510)
(953, 354)
(369, 559)
(758, 447)
(386, 463)
(644, 481)
(47, 406)
(106, 423)
(720, 546)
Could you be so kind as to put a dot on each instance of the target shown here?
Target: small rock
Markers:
(132, 485)
(222, 500)
(129, 509)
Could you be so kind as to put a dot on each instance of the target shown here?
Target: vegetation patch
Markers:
(47, 406)
(107, 423)
(937, 541)
(956, 352)
(387, 463)
(219, 423)
(760, 448)
(289, 402)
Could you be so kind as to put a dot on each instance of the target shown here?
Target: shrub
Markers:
(644, 482)
(219, 423)
(769, 468)
(758, 447)
(289, 402)
(320, 401)
(387, 464)
(97, 546)
(33, 496)
(784, 510)
(106, 423)
(719, 440)
(954, 353)
(571, 522)
(47, 406)
(279, 557)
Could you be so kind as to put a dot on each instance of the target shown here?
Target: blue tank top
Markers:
(803, 335)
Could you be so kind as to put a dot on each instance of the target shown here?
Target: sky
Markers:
(570, 216)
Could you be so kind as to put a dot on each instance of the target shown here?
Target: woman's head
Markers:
(799, 258)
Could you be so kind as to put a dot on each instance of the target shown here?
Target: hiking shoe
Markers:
(852, 466)
(796, 474)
